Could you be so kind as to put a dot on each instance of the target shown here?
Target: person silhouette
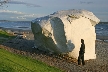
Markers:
(81, 53)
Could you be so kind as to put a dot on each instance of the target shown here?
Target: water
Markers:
(101, 29)
(25, 25)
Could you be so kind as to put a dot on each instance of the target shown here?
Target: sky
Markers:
(27, 10)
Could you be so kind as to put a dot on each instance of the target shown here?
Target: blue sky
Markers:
(25, 10)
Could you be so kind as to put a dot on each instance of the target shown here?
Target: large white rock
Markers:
(62, 31)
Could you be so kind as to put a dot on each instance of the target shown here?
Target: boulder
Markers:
(62, 31)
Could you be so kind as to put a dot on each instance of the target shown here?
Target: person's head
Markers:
(82, 41)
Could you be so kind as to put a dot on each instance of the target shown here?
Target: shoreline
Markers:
(24, 31)
(26, 34)
(103, 38)
(14, 30)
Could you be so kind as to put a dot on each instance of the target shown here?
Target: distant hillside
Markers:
(12, 21)
(3, 20)
(103, 22)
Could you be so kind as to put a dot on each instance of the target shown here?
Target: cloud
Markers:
(2, 2)
(16, 15)
(8, 11)
(23, 3)
(83, 2)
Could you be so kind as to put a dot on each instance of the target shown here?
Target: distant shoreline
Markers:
(103, 38)
(14, 30)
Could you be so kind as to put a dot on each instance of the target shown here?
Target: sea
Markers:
(100, 29)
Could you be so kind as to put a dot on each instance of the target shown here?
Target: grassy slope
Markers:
(16, 63)
(10, 62)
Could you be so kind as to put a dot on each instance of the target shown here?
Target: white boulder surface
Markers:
(62, 31)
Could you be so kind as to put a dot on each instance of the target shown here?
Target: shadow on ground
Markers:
(23, 45)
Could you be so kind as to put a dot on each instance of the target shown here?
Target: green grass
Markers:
(10, 62)
(4, 34)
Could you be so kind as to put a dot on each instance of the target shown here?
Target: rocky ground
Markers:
(24, 47)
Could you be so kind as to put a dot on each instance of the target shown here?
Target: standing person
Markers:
(81, 53)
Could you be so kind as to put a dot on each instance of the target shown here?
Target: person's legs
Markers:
(79, 60)
(82, 57)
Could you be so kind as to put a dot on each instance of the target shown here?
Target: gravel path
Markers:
(24, 47)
